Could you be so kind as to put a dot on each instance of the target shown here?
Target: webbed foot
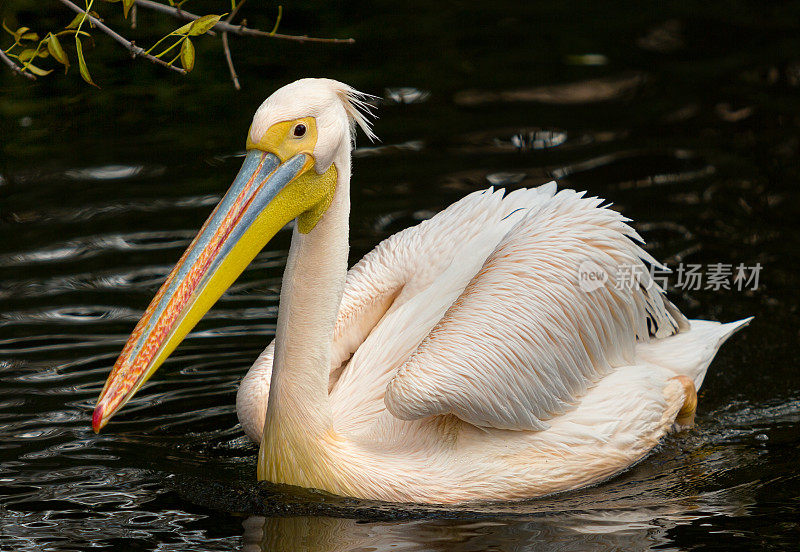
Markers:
(685, 416)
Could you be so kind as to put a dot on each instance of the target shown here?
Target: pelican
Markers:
(462, 359)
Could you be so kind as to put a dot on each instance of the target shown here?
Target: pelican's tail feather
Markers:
(690, 352)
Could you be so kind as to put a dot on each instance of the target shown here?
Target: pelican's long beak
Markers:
(266, 195)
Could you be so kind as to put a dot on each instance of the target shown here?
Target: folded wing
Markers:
(524, 340)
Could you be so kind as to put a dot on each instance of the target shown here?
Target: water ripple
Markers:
(373, 151)
(581, 92)
(91, 246)
(113, 172)
(522, 139)
(406, 95)
(90, 212)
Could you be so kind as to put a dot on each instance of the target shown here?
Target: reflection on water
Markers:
(641, 529)
(687, 122)
(371, 151)
(583, 92)
(406, 95)
(664, 37)
(640, 522)
(111, 172)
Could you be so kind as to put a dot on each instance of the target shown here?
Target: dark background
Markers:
(689, 121)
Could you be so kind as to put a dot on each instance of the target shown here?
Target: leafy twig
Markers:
(19, 57)
(227, 49)
(135, 50)
(14, 67)
(241, 30)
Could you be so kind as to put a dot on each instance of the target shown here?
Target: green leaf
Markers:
(55, 49)
(82, 63)
(21, 34)
(37, 71)
(187, 55)
(183, 29)
(127, 5)
(203, 25)
(27, 54)
(75, 21)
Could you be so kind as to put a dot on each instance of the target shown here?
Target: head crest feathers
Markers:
(359, 110)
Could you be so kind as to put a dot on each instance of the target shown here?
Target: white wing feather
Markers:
(524, 342)
(423, 270)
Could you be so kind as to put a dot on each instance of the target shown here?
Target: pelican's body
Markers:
(462, 359)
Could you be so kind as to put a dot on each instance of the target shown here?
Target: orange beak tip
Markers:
(97, 419)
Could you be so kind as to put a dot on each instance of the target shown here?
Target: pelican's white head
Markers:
(298, 137)
(326, 110)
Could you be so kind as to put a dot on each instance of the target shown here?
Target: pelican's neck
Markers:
(309, 304)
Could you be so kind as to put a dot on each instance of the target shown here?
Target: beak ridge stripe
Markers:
(183, 279)
(253, 166)
(182, 295)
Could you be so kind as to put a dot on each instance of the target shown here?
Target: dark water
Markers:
(687, 119)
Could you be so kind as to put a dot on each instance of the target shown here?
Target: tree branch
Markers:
(14, 67)
(229, 59)
(135, 50)
(241, 30)
(227, 49)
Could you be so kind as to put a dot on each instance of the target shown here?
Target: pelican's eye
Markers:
(299, 130)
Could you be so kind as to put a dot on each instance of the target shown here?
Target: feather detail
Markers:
(359, 111)
(524, 341)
